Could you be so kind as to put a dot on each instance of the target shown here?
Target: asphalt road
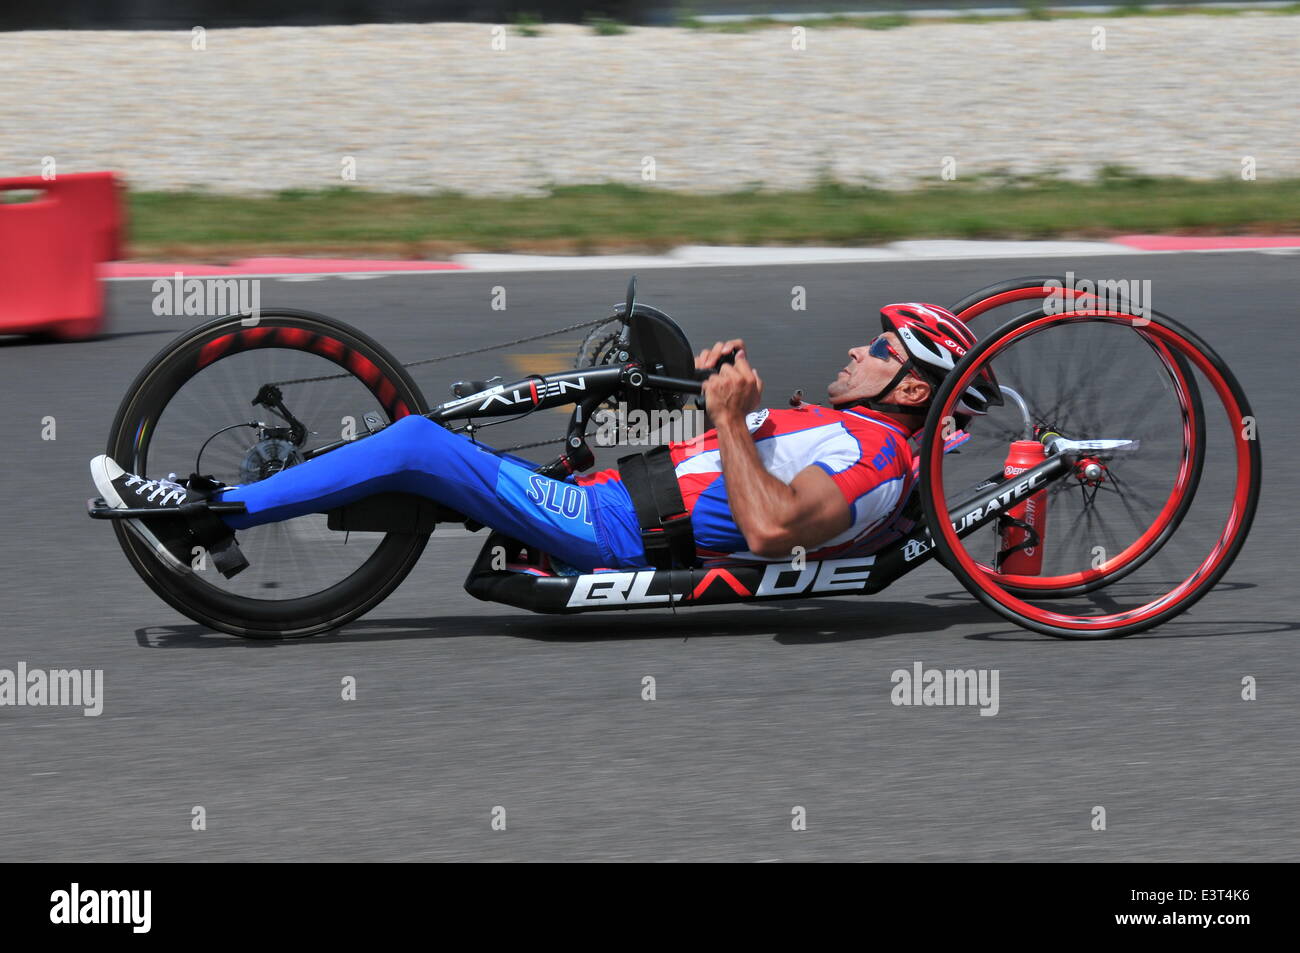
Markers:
(463, 706)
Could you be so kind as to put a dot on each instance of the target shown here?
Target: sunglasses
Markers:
(882, 350)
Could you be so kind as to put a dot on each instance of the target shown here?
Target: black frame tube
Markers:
(665, 588)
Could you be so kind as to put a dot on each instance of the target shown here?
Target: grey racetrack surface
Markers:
(464, 706)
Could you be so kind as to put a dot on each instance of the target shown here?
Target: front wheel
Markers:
(194, 409)
(1124, 547)
(1070, 400)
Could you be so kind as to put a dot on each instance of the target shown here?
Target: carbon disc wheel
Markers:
(192, 410)
(1134, 551)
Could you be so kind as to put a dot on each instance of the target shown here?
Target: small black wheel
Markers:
(1109, 391)
(191, 409)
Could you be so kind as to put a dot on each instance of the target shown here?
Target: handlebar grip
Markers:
(705, 373)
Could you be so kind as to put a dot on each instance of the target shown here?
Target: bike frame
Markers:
(745, 582)
(717, 584)
(588, 388)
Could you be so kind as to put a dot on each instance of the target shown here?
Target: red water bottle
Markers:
(1022, 526)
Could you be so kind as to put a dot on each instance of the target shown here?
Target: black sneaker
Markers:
(122, 490)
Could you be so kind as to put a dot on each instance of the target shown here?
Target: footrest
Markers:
(217, 540)
(97, 509)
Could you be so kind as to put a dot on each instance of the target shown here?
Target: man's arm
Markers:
(773, 516)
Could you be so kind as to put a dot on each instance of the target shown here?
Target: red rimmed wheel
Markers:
(1030, 288)
(192, 409)
(1063, 293)
(1137, 482)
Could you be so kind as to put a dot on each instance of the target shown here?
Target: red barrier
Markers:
(50, 250)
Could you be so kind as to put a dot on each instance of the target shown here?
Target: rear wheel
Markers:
(1120, 513)
(191, 410)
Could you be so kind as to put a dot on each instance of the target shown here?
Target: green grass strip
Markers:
(595, 218)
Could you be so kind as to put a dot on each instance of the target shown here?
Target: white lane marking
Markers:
(745, 255)
(296, 276)
(936, 252)
(483, 262)
(949, 249)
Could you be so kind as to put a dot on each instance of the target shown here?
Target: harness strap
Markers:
(208, 529)
(666, 531)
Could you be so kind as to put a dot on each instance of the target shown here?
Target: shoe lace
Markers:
(171, 492)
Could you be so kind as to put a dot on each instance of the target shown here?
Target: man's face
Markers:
(864, 376)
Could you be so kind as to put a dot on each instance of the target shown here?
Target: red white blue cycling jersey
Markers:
(865, 453)
(589, 522)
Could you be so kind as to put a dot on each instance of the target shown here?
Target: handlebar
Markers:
(690, 386)
(683, 386)
(678, 384)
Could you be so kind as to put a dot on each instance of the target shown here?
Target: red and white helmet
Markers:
(935, 340)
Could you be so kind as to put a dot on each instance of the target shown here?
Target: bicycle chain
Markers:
(448, 357)
(477, 350)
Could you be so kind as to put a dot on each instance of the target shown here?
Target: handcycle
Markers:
(1107, 424)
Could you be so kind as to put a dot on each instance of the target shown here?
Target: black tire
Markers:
(145, 401)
